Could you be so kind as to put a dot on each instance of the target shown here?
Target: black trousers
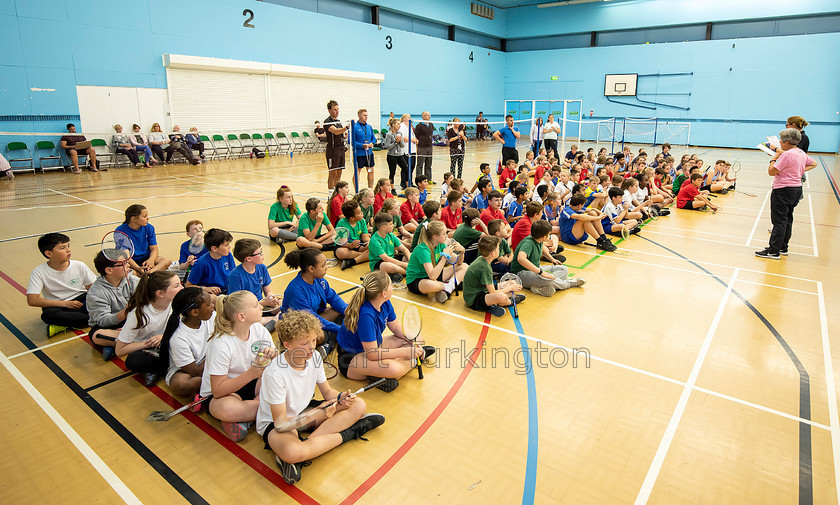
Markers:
(402, 162)
(535, 147)
(159, 151)
(782, 203)
(509, 153)
(142, 362)
(551, 144)
(131, 153)
(62, 316)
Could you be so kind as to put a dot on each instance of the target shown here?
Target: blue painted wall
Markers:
(58, 44)
(532, 21)
(771, 78)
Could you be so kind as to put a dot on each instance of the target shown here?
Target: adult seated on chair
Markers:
(320, 133)
(194, 142)
(67, 143)
(159, 143)
(123, 145)
(178, 143)
(141, 143)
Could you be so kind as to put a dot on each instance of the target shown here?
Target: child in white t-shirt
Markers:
(616, 214)
(147, 311)
(59, 286)
(239, 351)
(286, 392)
(185, 340)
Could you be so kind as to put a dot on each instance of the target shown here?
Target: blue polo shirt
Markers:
(142, 238)
(240, 280)
(508, 136)
(479, 202)
(185, 252)
(313, 298)
(212, 273)
(566, 221)
(371, 324)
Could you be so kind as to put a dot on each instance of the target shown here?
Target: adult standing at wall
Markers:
(403, 131)
(507, 136)
(536, 134)
(787, 168)
(480, 126)
(457, 138)
(335, 145)
(424, 130)
(552, 130)
(363, 141)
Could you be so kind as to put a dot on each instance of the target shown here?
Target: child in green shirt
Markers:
(355, 251)
(384, 246)
(479, 291)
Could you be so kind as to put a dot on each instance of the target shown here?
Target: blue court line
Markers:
(831, 181)
(530, 488)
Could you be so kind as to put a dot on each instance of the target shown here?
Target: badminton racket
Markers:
(412, 323)
(512, 282)
(625, 232)
(342, 236)
(653, 212)
(307, 417)
(166, 415)
(117, 247)
(451, 257)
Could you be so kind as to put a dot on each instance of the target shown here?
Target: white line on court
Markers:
(834, 419)
(758, 218)
(670, 431)
(609, 362)
(110, 477)
(722, 241)
(68, 339)
(82, 199)
(813, 228)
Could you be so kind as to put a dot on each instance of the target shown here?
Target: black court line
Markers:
(144, 452)
(806, 486)
(109, 381)
(348, 290)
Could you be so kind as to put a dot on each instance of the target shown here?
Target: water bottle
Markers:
(142, 158)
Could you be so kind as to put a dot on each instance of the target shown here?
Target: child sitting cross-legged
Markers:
(451, 215)
(183, 345)
(468, 233)
(479, 291)
(526, 264)
(191, 249)
(501, 263)
(429, 272)
(411, 212)
(431, 209)
(691, 198)
(142, 235)
(576, 224)
(252, 275)
(355, 251)
(616, 214)
(107, 302)
(387, 253)
(286, 392)
(314, 228)
(392, 207)
(211, 271)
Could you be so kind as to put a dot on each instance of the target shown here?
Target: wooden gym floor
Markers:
(687, 372)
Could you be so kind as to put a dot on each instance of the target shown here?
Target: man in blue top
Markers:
(507, 136)
(363, 140)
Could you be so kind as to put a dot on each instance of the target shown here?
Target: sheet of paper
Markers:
(766, 149)
(774, 141)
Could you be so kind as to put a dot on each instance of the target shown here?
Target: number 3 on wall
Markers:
(250, 14)
(389, 42)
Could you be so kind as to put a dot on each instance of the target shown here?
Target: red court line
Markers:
(234, 448)
(415, 437)
(12, 282)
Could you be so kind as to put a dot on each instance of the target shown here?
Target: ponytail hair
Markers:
(133, 211)
(302, 258)
(148, 286)
(428, 230)
(372, 286)
(338, 186)
(227, 307)
(281, 192)
(362, 194)
(186, 300)
(381, 182)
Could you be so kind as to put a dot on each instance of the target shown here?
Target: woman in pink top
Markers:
(787, 168)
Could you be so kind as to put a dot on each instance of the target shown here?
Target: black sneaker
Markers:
(397, 277)
(723, 191)
(151, 378)
(636, 230)
(559, 257)
(289, 471)
(497, 311)
(518, 298)
(345, 264)
(766, 253)
(783, 252)
(428, 350)
(560, 248)
(366, 423)
(393, 191)
(387, 386)
(328, 247)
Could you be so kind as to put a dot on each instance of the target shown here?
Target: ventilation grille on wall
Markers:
(59, 117)
(482, 10)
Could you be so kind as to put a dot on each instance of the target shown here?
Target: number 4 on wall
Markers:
(471, 56)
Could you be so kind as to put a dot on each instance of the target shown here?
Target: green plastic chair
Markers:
(220, 146)
(52, 160)
(209, 148)
(298, 145)
(15, 154)
(234, 143)
(104, 155)
(283, 144)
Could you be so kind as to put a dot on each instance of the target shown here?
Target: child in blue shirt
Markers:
(575, 224)
(212, 270)
(422, 182)
(142, 234)
(309, 290)
(193, 248)
(251, 274)
(480, 201)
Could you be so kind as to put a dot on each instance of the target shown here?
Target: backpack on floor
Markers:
(256, 153)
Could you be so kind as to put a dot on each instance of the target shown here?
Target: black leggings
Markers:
(551, 144)
(131, 153)
(393, 162)
(159, 151)
(142, 362)
(456, 159)
(62, 316)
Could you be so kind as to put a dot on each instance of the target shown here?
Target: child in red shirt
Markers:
(508, 173)
(451, 214)
(494, 211)
(382, 192)
(411, 212)
(338, 197)
(690, 198)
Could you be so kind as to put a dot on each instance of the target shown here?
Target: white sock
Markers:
(450, 286)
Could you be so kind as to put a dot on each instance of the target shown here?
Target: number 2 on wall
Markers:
(250, 14)
(389, 42)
